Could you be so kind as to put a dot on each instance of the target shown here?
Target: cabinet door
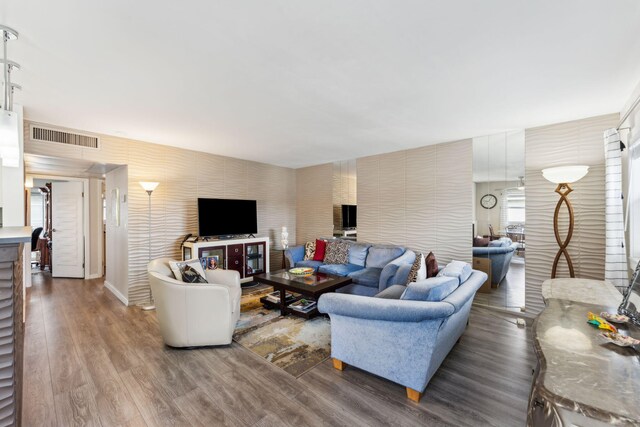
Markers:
(212, 257)
(255, 258)
(235, 259)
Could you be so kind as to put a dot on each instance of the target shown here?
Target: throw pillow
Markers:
(422, 271)
(337, 252)
(309, 250)
(191, 275)
(458, 269)
(432, 289)
(432, 265)
(413, 273)
(321, 246)
(480, 242)
(177, 266)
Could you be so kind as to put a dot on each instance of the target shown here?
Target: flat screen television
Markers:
(349, 215)
(226, 217)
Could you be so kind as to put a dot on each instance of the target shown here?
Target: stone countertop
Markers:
(12, 235)
(582, 290)
(582, 373)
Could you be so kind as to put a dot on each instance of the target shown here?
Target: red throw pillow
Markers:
(321, 246)
(432, 265)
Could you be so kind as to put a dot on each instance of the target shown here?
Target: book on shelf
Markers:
(303, 305)
(274, 297)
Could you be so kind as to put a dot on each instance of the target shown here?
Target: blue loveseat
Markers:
(372, 268)
(403, 338)
(500, 253)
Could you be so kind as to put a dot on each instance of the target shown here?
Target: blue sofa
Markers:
(399, 339)
(500, 253)
(372, 268)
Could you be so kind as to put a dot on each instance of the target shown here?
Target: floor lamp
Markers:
(149, 187)
(563, 176)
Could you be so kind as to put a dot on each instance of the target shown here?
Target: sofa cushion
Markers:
(321, 246)
(431, 289)
(358, 254)
(503, 241)
(432, 265)
(339, 269)
(310, 263)
(457, 269)
(369, 276)
(337, 252)
(309, 250)
(379, 256)
(392, 292)
(415, 267)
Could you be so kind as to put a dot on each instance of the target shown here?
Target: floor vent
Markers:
(52, 135)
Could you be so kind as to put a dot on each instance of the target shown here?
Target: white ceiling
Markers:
(296, 83)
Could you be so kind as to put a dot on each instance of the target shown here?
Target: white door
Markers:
(67, 239)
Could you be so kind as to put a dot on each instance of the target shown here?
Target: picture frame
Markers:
(212, 262)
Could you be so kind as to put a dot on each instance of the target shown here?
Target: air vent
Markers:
(52, 135)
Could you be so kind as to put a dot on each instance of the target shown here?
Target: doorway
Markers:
(59, 206)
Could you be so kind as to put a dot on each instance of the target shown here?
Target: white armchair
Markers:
(192, 315)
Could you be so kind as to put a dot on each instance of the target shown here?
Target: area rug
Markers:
(252, 313)
(291, 343)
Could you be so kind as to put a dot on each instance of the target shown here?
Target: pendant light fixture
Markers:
(9, 124)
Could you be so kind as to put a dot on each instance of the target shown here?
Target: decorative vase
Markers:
(284, 238)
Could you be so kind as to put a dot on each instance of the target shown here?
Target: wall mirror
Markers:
(499, 228)
(345, 213)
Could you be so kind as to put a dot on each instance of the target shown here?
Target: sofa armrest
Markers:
(383, 309)
(495, 250)
(294, 254)
(394, 273)
(219, 276)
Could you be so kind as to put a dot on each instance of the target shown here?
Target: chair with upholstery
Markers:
(35, 253)
(194, 315)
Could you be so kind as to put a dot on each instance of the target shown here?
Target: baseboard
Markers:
(94, 276)
(116, 292)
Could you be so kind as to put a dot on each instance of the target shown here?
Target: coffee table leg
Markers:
(283, 302)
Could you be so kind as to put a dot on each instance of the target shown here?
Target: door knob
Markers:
(53, 230)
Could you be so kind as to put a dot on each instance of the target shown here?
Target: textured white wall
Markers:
(184, 176)
(420, 198)
(314, 217)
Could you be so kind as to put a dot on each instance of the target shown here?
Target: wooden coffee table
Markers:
(311, 286)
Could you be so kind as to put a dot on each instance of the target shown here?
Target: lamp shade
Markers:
(9, 138)
(565, 174)
(149, 186)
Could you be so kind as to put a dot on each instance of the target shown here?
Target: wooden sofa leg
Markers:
(339, 364)
(413, 395)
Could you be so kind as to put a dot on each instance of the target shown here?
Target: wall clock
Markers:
(488, 201)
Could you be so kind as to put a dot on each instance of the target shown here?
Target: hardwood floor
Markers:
(91, 361)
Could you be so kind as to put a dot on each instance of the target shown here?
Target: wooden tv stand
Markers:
(248, 256)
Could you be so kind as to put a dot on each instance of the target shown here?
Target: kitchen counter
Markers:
(15, 235)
